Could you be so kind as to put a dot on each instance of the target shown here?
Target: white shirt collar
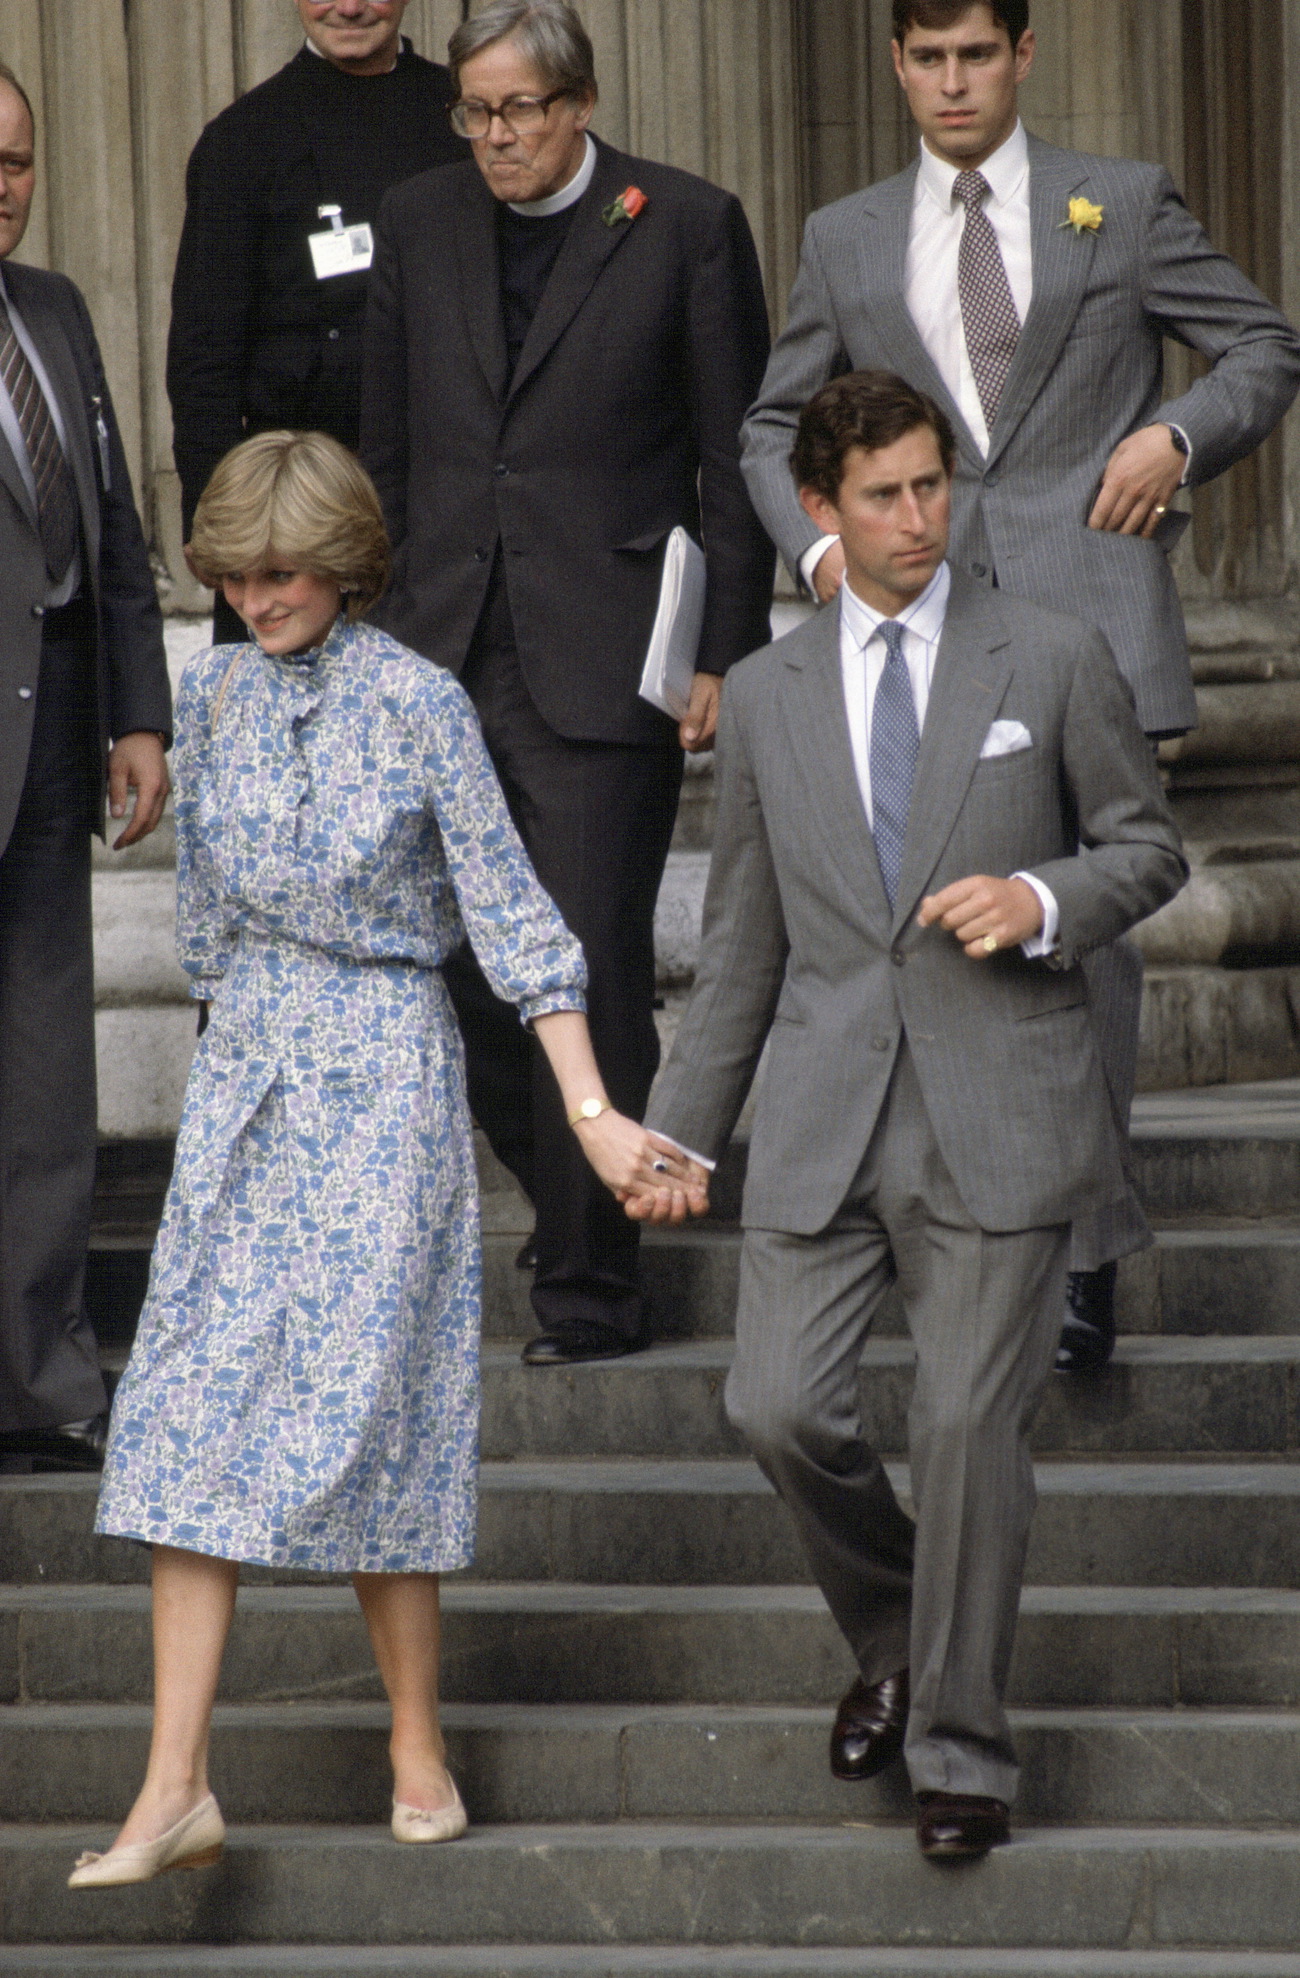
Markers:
(1005, 171)
(924, 615)
(568, 195)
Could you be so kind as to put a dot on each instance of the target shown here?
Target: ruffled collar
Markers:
(329, 648)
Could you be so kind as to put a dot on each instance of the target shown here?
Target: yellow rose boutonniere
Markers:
(1084, 216)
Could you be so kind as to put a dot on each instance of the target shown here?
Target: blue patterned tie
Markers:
(895, 745)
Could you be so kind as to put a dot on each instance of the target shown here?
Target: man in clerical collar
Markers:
(561, 344)
(282, 193)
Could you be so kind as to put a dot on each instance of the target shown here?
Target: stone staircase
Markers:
(639, 1678)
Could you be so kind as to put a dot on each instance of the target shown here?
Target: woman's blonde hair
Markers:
(300, 497)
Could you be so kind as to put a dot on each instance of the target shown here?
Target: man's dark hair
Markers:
(870, 409)
(1012, 14)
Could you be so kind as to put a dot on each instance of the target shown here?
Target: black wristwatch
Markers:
(1180, 442)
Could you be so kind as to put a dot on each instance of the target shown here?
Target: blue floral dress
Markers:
(304, 1386)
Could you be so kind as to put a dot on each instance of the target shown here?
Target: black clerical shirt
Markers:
(529, 249)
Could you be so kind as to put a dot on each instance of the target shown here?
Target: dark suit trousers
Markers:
(596, 820)
(49, 1363)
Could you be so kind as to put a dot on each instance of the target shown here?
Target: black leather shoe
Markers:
(870, 1727)
(1088, 1338)
(960, 1826)
(73, 1446)
(527, 1257)
(562, 1349)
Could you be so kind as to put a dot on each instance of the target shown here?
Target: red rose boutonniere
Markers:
(625, 207)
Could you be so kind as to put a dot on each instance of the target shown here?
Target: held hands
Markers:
(1143, 475)
(137, 762)
(648, 1176)
(985, 914)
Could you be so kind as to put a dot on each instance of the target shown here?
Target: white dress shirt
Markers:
(863, 655)
(70, 583)
(930, 278)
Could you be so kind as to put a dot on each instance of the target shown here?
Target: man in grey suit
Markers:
(1028, 289)
(933, 800)
(83, 675)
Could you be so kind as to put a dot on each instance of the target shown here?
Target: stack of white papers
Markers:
(675, 642)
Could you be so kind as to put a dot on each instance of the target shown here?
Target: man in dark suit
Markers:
(84, 677)
(1029, 290)
(560, 348)
(266, 328)
(933, 800)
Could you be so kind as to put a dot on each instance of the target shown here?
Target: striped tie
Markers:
(988, 309)
(895, 746)
(56, 496)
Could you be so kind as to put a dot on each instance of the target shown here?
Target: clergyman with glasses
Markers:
(561, 344)
(282, 191)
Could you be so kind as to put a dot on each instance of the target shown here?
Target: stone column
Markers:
(182, 73)
(90, 183)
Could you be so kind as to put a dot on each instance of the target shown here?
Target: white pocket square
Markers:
(1006, 738)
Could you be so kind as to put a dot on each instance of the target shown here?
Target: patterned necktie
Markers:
(988, 308)
(895, 745)
(56, 496)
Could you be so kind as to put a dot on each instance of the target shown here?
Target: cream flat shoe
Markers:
(194, 1842)
(417, 1823)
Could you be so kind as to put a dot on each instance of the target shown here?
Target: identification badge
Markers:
(342, 250)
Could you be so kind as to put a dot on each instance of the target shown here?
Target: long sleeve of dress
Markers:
(204, 938)
(516, 931)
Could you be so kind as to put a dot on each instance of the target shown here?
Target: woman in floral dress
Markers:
(304, 1387)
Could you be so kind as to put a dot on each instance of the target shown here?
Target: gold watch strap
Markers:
(590, 1109)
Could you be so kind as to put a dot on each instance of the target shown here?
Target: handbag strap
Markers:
(219, 702)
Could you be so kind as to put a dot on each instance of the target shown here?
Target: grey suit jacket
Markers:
(799, 940)
(1087, 373)
(128, 659)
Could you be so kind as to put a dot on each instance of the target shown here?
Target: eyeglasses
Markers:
(523, 116)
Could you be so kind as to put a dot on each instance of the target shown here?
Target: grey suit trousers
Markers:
(985, 1313)
(49, 1362)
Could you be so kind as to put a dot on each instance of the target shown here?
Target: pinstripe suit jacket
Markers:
(800, 942)
(1087, 373)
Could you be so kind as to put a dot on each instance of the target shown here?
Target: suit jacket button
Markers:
(480, 556)
(880, 1043)
(38, 611)
(501, 470)
(897, 957)
(24, 693)
(333, 336)
(979, 570)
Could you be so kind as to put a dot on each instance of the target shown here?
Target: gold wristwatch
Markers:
(590, 1109)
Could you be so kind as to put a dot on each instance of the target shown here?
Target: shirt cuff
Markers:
(1040, 946)
(688, 1152)
(1187, 465)
(812, 557)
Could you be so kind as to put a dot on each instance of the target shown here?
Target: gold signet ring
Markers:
(990, 944)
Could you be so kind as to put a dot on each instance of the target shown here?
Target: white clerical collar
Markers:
(569, 195)
(924, 615)
(1005, 171)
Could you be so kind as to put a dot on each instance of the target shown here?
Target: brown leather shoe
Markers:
(870, 1727)
(960, 1826)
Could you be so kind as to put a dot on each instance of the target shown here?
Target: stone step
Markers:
(1155, 1648)
(719, 1521)
(1159, 1396)
(308, 1763)
(630, 1961)
(638, 1882)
